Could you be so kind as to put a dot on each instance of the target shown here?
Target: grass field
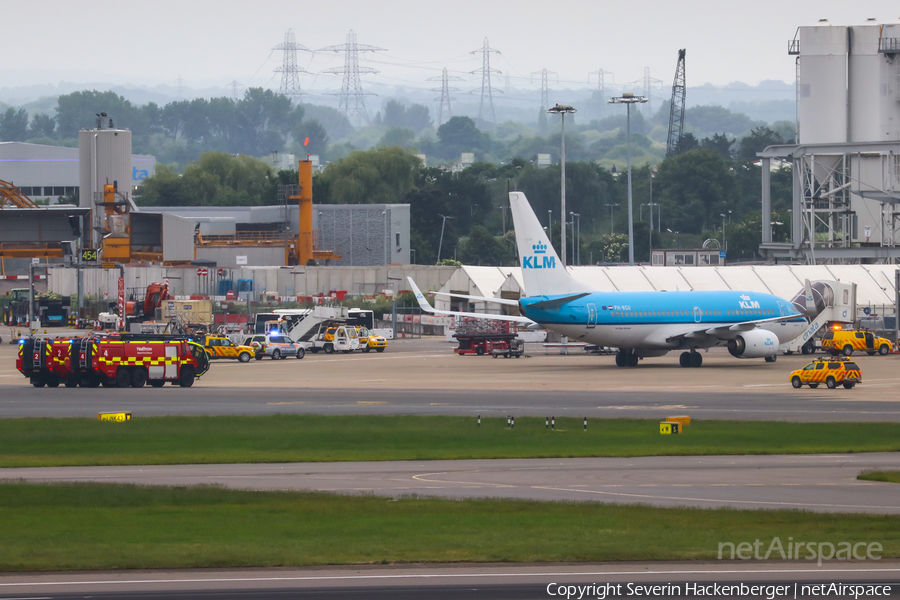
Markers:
(108, 526)
(886, 476)
(302, 438)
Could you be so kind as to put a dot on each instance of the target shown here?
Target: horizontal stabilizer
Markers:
(480, 298)
(557, 302)
(423, 304)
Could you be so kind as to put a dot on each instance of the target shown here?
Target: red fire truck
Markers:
(118, 360)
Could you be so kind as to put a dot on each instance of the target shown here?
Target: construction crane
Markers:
(10, 194)
(676, 109)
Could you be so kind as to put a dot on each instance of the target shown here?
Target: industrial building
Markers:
(846, 159)
(50, 172)
(358, 235)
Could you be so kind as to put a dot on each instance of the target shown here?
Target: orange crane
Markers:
(10, 194)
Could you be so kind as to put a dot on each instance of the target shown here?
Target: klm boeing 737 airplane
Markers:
(646, 324)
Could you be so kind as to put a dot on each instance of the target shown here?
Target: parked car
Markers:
(275, 346)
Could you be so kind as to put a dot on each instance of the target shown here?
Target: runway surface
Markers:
(424, 377)
(454, 581)
(824, 483)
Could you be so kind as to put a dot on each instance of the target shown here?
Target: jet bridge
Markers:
(824, 302)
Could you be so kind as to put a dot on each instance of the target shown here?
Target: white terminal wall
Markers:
(37, 165)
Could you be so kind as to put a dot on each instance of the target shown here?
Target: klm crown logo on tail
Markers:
(539, 262)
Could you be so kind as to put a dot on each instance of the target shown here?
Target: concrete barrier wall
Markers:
(285, 281)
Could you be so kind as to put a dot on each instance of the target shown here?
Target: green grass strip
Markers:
(301, 438)
(112, 526)
(886, 476)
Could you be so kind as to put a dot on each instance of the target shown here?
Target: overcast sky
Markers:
(213, 42)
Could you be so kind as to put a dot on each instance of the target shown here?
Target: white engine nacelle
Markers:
(759, 343)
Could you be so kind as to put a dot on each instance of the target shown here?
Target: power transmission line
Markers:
(290, 72)
(445, 94)
(545, 87)
(486, 71)
(352, 97)
(234, 85)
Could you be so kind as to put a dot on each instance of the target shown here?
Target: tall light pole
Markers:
(441, 243)
(723, 230)
(576, 233)
(502, 207)
(549, 223)
(562, 109)
(612, 207)
(628, 99)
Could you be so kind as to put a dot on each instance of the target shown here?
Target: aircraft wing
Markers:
(423, 304)
(727, 332)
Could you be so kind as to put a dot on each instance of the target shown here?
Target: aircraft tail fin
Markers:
(811, 309)
(542, 272)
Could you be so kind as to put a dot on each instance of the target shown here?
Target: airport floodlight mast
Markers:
(486, 70)
(676, 109)
(352, 97)
(290, 72)
(545, 88)
(445, 90)
(628, 99)
(561, 110)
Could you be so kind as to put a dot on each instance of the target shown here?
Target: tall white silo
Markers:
(821, 85)
(104, 156)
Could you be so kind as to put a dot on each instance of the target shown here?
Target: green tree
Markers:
(687, 143)
(162, 189)
(312, 130)
(693, 188)
(459, 135)
(709, 119)
(480, 247)
(14, 125)
(217, 179)
(78, 110)
(418, 117)
(382, 175)
(398, 136)
(718, 143)
(42, 126)
(758, 140)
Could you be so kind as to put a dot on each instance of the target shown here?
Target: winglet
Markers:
(420, 297)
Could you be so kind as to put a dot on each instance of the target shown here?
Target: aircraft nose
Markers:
(522, 308)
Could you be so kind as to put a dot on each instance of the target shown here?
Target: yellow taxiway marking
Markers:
(283, 403)
(368, 402)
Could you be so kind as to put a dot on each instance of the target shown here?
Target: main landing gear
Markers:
(690, 359)
(626, 358)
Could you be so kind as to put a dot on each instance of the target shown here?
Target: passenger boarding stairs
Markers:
(824, 302)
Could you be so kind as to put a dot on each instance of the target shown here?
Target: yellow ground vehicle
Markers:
(845, 341)
(221, 347)
(830, 371)
(369, 341)
(341, 338)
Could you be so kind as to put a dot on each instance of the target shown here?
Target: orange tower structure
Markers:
(305, 248)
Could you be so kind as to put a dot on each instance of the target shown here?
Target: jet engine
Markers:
(758, 343)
